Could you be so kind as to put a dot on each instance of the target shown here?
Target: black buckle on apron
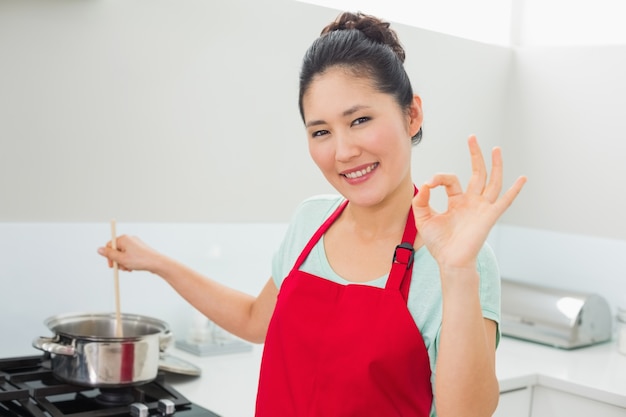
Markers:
(402, 257)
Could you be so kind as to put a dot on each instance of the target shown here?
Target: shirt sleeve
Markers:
(490, 286)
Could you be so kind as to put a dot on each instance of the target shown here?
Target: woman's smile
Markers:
(359, 173)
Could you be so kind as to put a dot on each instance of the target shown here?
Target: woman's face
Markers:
(359, 137)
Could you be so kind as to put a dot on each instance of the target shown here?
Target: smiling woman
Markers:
(87, 83)
(372, 280)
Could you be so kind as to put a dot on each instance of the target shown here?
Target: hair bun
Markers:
(374, 28)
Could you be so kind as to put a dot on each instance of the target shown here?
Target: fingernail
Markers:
(101, 251)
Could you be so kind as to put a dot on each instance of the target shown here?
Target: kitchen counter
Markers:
(595, 372)
(228, 382)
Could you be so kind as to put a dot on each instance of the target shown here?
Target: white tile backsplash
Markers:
(575, 262)
(53, 268)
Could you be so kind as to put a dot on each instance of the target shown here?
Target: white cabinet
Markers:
(514, 403)
(541, 401)
(548, 402)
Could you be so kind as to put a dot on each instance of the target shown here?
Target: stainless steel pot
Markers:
(85, 350)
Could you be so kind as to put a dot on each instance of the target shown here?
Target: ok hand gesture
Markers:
(455, 236)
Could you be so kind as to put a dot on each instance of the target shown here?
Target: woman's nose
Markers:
(346, 147)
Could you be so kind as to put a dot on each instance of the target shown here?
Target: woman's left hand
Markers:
(455, 236)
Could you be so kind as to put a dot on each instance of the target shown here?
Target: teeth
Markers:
(357, 174)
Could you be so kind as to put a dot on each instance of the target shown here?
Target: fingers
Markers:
(492, 191)
(114, 255)
(449, 181)
(421, 203)
(509, 196)
(477, 185)
(109, 253)
(479, 170)
(421, 206)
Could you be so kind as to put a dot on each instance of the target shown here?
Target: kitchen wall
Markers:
(53, 268)
(179, 119)
(186, 111)
(564, 130)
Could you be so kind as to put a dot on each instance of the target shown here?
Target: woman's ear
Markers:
(415, 116)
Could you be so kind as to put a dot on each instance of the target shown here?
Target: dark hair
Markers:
(366, 46)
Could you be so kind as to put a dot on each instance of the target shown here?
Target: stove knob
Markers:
(139, 410)
(166, 407)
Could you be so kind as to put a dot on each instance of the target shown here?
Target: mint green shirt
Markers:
(425, 299)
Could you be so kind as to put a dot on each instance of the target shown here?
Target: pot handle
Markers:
(165, 340)
(51, 345)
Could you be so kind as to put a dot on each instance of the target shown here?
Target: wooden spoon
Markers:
(118, 315)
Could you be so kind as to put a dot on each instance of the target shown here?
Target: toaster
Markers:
(555, 317)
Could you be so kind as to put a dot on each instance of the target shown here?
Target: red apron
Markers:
(345, 350)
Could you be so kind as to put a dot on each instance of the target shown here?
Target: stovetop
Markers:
(28, 388)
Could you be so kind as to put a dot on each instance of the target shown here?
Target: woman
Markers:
(364, 316)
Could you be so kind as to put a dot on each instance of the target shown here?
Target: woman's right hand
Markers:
(132, 254)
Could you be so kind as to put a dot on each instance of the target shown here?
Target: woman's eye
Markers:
(360, 120)
(319, 133)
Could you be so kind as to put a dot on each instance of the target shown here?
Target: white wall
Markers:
(570, 22)
(486, 21)
(153, 110)
(169, 111)
(565, 129)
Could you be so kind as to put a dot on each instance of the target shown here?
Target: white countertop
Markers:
(597, 372)
(228, 382)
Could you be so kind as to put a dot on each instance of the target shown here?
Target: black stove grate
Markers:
(28, 388)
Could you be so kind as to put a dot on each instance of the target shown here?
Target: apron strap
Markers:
(402, 264)
(318, 234)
